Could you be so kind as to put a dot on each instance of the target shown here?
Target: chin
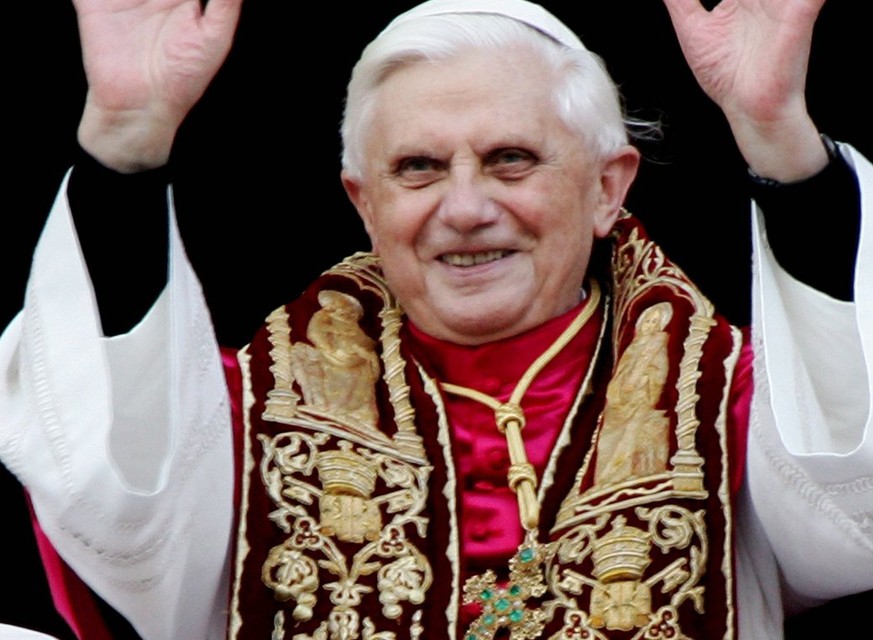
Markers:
(479, 328)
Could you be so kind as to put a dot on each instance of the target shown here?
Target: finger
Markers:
(221, 15)
(682, 10)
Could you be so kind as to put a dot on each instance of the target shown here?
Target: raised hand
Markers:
(751, 58)
(147, 63)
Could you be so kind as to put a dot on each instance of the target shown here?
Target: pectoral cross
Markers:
(505, 606)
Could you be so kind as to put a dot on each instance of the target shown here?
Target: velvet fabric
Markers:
(470, 520)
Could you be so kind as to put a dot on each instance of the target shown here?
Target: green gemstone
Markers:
(471, 636)
(486, 594)
(502, 604)
(515, 590)
(526, 555)
(489, 620)
(516, 615)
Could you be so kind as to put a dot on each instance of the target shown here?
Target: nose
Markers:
(466, 204)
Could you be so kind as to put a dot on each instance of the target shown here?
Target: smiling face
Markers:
(482, 204)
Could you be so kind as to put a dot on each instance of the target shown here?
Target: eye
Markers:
(418, 171)
(511, 163)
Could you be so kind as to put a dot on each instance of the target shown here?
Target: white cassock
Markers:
(124, 442)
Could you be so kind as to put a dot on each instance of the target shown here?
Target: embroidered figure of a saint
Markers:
(338, 371)
(634, 440)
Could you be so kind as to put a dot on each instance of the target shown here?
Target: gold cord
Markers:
(510, 418)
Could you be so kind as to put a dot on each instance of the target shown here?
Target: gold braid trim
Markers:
(242, 544)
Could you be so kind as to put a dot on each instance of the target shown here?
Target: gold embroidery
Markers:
(639, 265)
(370, 489)
(292, 576)
(281, 399)
(346, 626)
(618, 590)
(687, 462)
(364, 269)
(600, 569)
(577, 627)
(248, 462)
(348, 481)
(622, 605)
(622, 554)
(416, 629)
(348, 513)
(620, 601)
(634, 439)
(278, 627)
(338, 371)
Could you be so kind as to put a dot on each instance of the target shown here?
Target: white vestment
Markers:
(124, 442)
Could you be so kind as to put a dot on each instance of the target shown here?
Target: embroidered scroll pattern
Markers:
(300, 470)
(629, 551)
(349, 498)
(346, 627)
(617, 589)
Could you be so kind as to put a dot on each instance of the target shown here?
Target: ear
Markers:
(357, 193)
(617, 173)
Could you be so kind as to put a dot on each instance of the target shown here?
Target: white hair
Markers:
(585, 96)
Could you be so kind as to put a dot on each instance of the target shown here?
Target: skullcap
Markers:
(528, 13)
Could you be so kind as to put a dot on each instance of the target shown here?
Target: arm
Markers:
(810, 455)
(101, 430)
(750, 57)
(122, 441)
(147, 64)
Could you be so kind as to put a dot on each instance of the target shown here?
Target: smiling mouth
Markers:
(473, 259)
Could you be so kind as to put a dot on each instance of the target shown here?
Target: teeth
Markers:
(470, 259)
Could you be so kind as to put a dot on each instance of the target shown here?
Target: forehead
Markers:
(477, 94)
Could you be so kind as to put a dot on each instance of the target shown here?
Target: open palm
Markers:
(751, 58)
(148, 61)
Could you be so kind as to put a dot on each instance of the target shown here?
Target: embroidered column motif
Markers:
(349, 541)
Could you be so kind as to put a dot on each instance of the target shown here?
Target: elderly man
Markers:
(514, 418)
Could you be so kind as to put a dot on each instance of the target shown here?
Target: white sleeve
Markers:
(810, 459)
(8, 632)
(123, 443)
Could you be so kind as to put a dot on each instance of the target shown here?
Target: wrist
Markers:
(831, 151)
(126, 141)
(784, 151)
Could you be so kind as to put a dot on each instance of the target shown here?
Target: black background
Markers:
(256, 164)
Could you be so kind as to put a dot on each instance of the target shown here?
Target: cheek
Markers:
(399, 220)
(566, 242)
